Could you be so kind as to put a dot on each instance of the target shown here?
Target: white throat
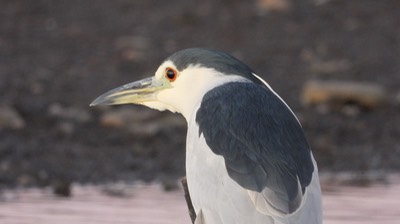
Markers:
(188, 90)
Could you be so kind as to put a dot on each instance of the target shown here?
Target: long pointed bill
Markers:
(136, 92)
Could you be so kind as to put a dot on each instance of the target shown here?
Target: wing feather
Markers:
(263, 145)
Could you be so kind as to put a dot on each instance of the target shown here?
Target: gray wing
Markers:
(262, 142)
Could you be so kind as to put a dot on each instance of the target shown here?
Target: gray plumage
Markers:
(261, 141)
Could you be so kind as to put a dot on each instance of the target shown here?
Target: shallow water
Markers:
(149, 204)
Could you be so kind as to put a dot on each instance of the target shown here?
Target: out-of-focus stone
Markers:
(132, 48)
(121, 117)
(118, 189)
(319, 66)
(144, 129)
(62, 188)
(25, 180)
(397, 99)
(66, 127)
(69, 113)
(350, 110)
(169, 184)
(273, 5)
(339, 93)
(321, 2)
(136, 42)
(113, 119)
(10, 118)
(140, 122)
(173, 120)
(331, 66)
(131, 55)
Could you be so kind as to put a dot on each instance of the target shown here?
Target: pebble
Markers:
(265, 6)
(66, 127)
(342, 93)
(69, 113)
(132, 48)
(117, 189)
(397, 99)
(62, 188)
(10, 118)
(25, 180)
(140, 122)
(320, 66)
(123, 116)
(144, 129)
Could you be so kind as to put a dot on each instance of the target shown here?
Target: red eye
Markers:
(171, 74)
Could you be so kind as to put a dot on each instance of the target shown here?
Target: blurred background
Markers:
(335, 62)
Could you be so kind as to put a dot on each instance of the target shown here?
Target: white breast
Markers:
(222, 201)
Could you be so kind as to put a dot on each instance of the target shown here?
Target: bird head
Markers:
(180, 82)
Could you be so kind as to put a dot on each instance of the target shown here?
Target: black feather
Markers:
(260, 139)
(218, 60)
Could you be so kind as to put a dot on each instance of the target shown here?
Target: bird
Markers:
(247, 158)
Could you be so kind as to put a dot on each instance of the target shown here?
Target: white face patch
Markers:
(188, 89)
(160, 73)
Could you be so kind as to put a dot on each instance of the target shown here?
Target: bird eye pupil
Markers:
(170, 73)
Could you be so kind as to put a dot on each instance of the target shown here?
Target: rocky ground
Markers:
(57, 56)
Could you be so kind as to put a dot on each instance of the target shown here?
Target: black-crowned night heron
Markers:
(247, 159)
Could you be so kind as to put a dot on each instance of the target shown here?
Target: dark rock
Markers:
(62, 188)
